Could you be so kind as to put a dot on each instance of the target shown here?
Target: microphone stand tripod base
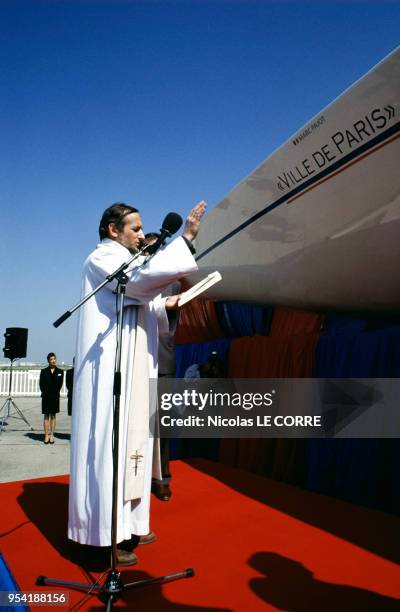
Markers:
(113, 586)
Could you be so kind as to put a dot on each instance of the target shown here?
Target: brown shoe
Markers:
(161, 491)
(148, 539)
(125, 557)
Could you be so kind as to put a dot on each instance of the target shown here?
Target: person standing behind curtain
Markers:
(50, 383)
(166, 368)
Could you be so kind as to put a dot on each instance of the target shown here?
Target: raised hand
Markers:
(193, 220)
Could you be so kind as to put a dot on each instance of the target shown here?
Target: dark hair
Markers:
(116, 214)
(50, 355)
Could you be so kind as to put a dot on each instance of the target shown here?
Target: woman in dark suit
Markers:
(50, 382)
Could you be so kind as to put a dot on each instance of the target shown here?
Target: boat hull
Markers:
(317, 225)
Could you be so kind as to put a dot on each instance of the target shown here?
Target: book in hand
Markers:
(201, 286)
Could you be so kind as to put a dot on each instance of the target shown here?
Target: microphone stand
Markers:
(113, 587)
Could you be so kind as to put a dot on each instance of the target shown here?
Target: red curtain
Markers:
(287, 353)
(289, 322)
(197, 323)
(272, 357)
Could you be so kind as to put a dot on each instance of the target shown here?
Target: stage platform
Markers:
(254, 543)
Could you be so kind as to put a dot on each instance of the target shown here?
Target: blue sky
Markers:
(158, 104)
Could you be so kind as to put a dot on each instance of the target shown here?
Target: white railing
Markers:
(25, 382)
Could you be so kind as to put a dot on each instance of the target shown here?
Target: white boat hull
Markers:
(317, 225)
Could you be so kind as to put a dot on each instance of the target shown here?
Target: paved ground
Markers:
(22, 452)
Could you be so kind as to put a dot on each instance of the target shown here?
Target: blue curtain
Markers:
(363, 471)
(237, 320)
(336, 324)
(187, 354)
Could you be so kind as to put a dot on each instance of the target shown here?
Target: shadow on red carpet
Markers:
(289, 585)
(373, 530)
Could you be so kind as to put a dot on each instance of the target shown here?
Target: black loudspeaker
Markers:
(16, 342)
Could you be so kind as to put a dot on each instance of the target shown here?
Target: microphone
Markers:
(171, 224)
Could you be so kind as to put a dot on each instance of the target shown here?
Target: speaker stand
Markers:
(9, 403)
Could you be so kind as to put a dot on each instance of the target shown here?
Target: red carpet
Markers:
(255, 545)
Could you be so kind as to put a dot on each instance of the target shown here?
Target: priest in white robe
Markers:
(90, 497)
